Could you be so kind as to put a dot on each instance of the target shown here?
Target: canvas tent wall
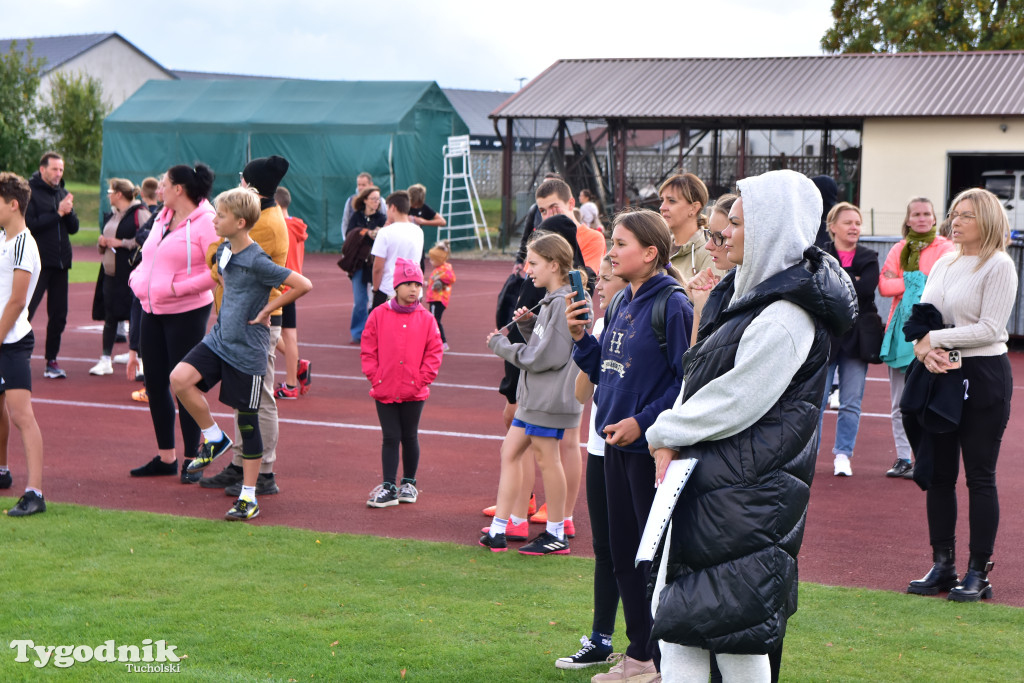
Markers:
(328, 130)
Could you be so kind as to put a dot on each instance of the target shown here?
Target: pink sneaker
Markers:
(305, 376)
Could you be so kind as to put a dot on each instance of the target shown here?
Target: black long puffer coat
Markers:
(732, 569)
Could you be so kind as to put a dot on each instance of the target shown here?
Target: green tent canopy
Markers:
(329, 131)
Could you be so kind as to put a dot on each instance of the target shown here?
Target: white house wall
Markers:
(120, 68)
(902, 158)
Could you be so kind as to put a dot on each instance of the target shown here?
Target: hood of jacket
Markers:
(296, 228)
(781, 210)
(36, 182)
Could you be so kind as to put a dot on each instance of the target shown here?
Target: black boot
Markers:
(975, 585)
(942, 575)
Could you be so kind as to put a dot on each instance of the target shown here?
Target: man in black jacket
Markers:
(51, 218)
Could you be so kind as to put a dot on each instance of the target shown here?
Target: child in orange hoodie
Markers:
(439, 286)
(297, 372)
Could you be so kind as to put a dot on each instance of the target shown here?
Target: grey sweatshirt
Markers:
(781, 211)
(545, 396)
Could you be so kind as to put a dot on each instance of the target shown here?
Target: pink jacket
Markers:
(401, 354)
(893, 287)
(177, 257)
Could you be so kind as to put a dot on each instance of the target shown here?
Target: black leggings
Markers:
(112, 318)
(165, 341)
(438, 308)
(400, 423)
(606, 591)
(986, 410)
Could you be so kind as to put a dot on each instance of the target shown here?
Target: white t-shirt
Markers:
(19, 253)
(395, 241)
(595, 444)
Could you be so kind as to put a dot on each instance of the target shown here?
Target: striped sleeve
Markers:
(21, 257)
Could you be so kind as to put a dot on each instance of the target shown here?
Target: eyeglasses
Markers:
(716, 237)
(110, 192)
(964, 216)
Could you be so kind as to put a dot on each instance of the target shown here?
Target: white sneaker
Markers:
(842, 466)
(121, 358)
(833, 400)
(104, 367)
(139, 374)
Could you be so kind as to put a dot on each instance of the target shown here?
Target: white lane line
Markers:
(286, 420)
(319, 375)
(354, 347)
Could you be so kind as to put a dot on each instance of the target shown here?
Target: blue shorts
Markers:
(534, 430)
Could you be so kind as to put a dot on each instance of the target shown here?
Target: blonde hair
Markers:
(992, 221)
(241, 202)
(835, 211)
(650, 230)
(551, 246)
(440, 252)
(692, 189)
(124, 187)
(905, 228)
(417, 193)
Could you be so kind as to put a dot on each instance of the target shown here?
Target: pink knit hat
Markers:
(407, 271)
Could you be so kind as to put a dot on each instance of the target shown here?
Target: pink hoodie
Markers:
(177, 257)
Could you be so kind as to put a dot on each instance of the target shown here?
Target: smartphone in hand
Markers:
(576, 280)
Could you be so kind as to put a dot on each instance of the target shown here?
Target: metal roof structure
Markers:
(775, 91)
(58, 50)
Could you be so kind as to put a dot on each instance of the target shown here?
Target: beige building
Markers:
(121, 67)
(931, 157)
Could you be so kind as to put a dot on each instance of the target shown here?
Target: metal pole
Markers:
(506, 185)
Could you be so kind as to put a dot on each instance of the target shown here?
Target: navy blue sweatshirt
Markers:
(633, 377)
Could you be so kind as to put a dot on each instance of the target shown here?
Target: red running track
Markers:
(865, 531)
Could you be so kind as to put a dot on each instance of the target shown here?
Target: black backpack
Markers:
(657, 312)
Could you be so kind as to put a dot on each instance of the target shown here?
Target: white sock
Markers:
(3, 468)
(213, 434)
(248, 493)
(35, 491)
(498, 526)
(568, 519)
(516, 520)
(556, 529)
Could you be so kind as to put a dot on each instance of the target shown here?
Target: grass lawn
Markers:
(247, 603)
(87, 204)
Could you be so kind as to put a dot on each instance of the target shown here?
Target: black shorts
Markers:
(288, 316)
(15, 366)
(238, 390)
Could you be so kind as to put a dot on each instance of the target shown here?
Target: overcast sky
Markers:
(482, 45)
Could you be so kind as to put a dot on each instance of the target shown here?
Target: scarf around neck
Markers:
(395, 306)
(916, 242)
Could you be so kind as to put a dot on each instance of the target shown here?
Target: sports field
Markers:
(862, 532)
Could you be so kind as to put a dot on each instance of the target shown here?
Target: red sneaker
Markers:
(542, 515)
(305, 376)
(570, 529)
(284, 392)
(489, 512)
(513, 532)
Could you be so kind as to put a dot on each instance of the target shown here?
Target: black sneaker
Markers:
(208, 452)
(6, 480)
(591, 654)
(156, 468)
(545, 544)
(383, 496)
(29, 504)
(188, 477)
(232, 474)
(266, 485)
(497, 544)
(900, 468)
(243, 510)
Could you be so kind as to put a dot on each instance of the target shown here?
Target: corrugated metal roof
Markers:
(791, 88)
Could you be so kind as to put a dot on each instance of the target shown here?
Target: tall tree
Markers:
(19, 84)
(74, 117)
(927, 26)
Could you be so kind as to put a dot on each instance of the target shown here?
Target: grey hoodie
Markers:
(545, 396)
(781, 210)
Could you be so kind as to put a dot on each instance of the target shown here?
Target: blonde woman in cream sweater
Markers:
(974, 288)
